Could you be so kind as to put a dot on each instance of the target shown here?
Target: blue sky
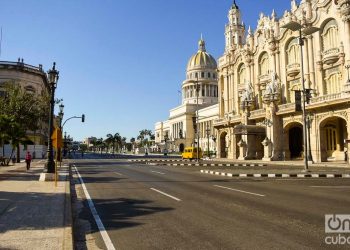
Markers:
(121, 62)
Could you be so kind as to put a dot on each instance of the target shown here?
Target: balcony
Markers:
(259, 113)
(263, 79)
(293, 69)
(330, 56)
(330, 97)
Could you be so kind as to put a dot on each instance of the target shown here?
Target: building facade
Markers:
(260, 76)
(198, 109)
(32, 79)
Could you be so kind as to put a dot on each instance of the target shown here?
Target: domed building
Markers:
(198, 107)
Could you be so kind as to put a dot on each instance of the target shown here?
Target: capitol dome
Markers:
(201, 59)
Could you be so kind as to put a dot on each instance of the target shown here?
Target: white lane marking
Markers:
(241, 191)
(157, 172)
(330, 186)
(172, 197)
(117, 173)
(98, 221)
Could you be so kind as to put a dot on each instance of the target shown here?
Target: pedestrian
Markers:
(28, 159)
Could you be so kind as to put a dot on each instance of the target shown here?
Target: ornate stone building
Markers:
(33, 79)
(199, 99)
(260, 75)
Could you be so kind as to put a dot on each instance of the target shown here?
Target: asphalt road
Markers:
(158, 207)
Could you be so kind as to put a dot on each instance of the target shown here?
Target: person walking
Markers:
(28, 159)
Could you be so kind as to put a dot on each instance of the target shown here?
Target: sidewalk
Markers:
(33, 214)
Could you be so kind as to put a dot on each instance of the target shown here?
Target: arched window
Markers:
(293, 51)
(329, 35)
(264, 64)
(333, 84)
(30, 89)
(241, 74)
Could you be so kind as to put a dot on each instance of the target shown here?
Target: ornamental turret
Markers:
(234, 30)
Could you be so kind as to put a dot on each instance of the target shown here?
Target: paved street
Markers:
(160, 207)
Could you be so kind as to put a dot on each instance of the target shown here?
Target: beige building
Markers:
(33, 79)
(260, 74)
(199, 100)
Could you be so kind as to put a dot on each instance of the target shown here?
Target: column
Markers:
(312, 61)
(306, 63)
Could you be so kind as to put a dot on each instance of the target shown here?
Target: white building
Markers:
(199, 93)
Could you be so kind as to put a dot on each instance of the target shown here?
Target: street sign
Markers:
(57, 138)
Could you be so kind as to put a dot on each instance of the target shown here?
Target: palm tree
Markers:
(114, 140)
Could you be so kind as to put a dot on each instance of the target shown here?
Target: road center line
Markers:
(157, 172)
(330, 186)
(98, 221)
(241, 191)
(170, 196)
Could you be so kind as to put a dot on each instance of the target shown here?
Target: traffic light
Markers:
(297, 96)
(83, 118)
(194, 122)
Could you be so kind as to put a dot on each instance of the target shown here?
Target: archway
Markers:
(295, 136)
(332, 134)
(181, 148)
(223, 145)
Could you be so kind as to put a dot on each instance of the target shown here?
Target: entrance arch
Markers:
(181, 148)
(293, 141)
(295, 136)
(332, 134)
(223, 145)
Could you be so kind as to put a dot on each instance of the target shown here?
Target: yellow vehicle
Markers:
(191, 153)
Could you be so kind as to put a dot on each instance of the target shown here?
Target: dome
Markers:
(201, 59)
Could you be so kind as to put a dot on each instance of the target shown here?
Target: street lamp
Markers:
(309, 119)
(268, 123)
(208, 134)
(60, 115)
(53, 76)
(303, 30)
(197, 118)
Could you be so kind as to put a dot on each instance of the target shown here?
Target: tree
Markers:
(114, 140)
(144, 136)
(25, 110)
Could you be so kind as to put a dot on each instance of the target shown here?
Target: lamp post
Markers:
(303, 30)
(65, 144)
(268, 123)
(208, 134)
(197, 118)
(53, 76)
(347, 68)
(60, 115)
(309, 119)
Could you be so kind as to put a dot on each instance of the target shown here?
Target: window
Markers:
(264, 64)
(202, 75)
(241, 74)
(293, 52)
(330, 35)
(209, 75)
(333, 84)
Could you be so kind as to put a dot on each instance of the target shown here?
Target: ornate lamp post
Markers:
(197, 118)
(208, 134)
(309, 119)
(53, 76)
(304, 29)
(60, 115)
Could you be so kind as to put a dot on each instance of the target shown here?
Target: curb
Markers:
(147, 160)
(277, 175)
(68, 243)
(209, 164)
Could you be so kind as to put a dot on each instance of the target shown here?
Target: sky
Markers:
(121, 62)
